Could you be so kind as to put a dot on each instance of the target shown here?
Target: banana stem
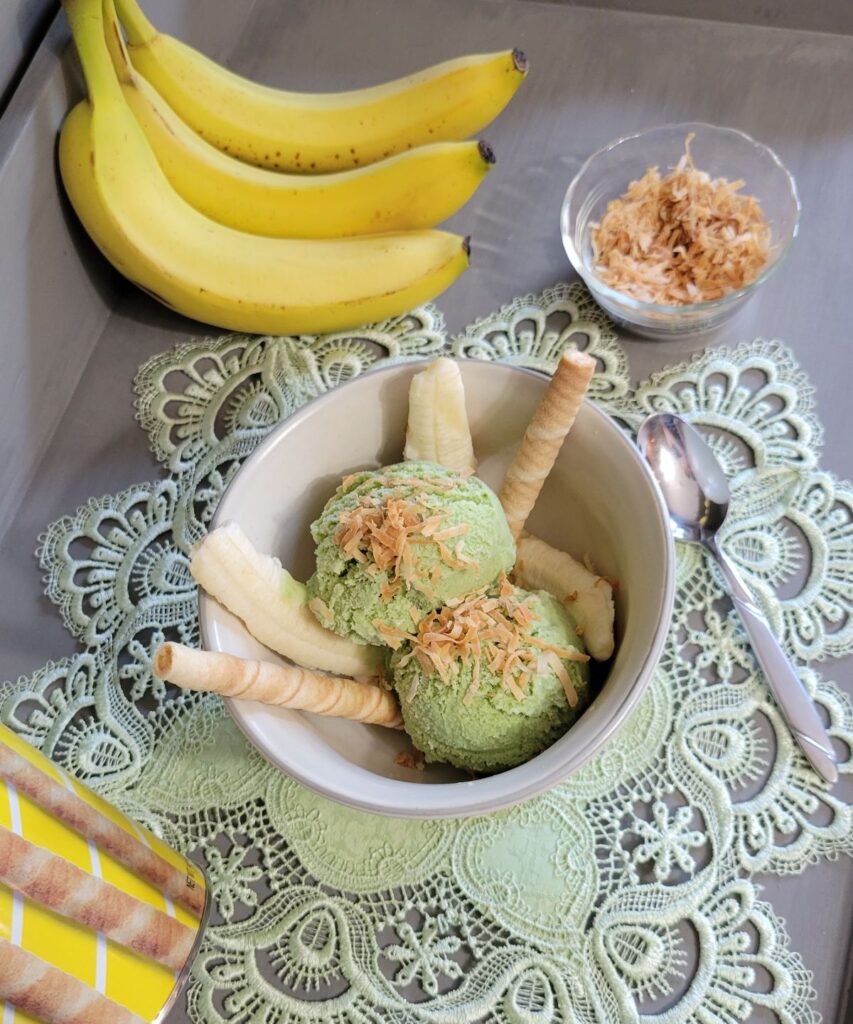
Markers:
(115, 43)
(139, 29)
(87, 28)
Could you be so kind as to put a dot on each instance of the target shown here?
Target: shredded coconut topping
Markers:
(682, 238)
(386, 532)
(491, 625)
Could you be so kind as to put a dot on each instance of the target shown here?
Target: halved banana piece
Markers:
(274, 606)
(438, 428)
(589, 598)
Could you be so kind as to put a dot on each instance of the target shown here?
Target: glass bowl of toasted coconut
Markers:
(674, 228)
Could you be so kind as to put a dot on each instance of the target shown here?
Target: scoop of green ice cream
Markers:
(455, 539)
(471, 717)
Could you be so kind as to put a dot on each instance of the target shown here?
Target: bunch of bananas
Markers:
(265, 211)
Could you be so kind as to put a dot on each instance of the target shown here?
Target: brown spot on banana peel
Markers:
(486, 152)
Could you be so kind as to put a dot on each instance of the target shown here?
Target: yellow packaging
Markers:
(86, 892)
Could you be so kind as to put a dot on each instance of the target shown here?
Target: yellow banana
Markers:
(210, 272)
(417, 189)
(308, 132)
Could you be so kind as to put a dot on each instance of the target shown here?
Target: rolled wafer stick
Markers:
(286, 686)
(45, 878)
(544, 437)
(51, 995)
(90, 823)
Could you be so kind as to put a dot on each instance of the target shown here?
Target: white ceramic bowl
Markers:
(600, 499)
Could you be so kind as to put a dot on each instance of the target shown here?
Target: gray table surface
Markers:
(22, 24)
(595, 75)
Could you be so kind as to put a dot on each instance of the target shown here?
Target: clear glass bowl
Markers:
(722, 152)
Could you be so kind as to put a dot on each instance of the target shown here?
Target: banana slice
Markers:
(274, 606)
(438, 428)
(589, 598)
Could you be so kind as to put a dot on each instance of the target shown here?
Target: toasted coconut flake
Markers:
(451, 531)
(513, 687)
(452, 560)
(475, 680)
(567, 653)
(459, 551)
(413, 689)
(682, 238)
(393, 637)
(485, 627)
(565, 679)
(430, 527)
(384, 534)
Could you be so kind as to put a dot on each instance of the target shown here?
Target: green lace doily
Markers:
(623, 893)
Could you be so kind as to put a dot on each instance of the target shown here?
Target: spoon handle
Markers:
(786, 686)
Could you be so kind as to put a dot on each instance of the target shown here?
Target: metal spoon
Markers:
(696, 492)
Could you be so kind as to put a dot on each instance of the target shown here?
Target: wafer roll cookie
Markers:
(45, 878)
(285, 686)
(51, 995)
(544, 437)
(90, 823)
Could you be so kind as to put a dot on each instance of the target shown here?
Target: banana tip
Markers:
(520, 60)
(466, 246)
(486, 152)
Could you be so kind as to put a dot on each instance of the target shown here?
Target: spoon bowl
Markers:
(694, 486)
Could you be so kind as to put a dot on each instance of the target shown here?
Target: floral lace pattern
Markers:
(626, 888)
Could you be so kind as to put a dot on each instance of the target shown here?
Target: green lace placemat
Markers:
(624, 892)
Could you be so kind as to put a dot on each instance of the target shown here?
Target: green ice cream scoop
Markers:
(475, 717)
(455, 539)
